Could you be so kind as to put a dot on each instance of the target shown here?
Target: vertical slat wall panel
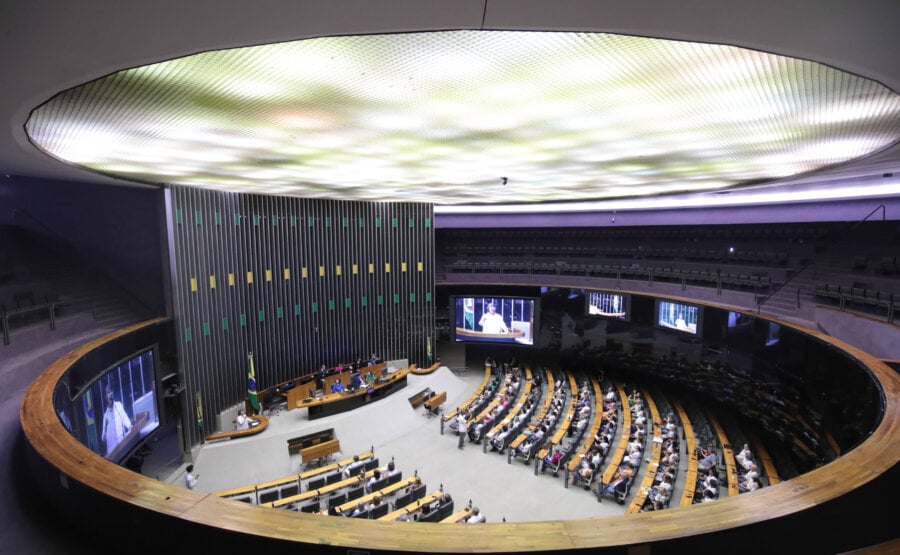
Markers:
(293, 323)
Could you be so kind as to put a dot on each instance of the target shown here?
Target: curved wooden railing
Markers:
(75, 463)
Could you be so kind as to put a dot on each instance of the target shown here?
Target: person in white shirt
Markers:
(745, 457)
(748, 485)
(190, 479)
(491, 322)
(461, 425)
(242, 421)
(476, 517)
(116, 423)
(752, 474)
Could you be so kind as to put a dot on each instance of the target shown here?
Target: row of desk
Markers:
(334, 403)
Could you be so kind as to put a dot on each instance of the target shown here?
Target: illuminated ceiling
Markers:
(444, 117)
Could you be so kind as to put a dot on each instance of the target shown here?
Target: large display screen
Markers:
(607, 304)
(678, 316)
(120, 408)
(495, 319)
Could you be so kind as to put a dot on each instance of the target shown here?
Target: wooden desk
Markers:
(263, 423)
(334, 403)
(690, 479)
(241, 490)
(320, 450)
(306, 474)
(422, 371)
(619, 453)
(413, 507)
(383, 492)
(727, 454)
(458, 516)
(297, 397)
(328, 488)
(296, 444)
(433, 402)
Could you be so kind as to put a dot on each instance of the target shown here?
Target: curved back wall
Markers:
(297, 282)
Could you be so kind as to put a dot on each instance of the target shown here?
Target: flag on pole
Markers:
(469, 313)
(428, 350)
(251, 384)
(90, 422)
(199, 412)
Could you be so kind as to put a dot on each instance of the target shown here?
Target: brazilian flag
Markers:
(469, 313)
(90, 421)
(251, 384)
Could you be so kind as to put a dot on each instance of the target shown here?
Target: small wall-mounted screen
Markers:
(678, 316)
(608, 304)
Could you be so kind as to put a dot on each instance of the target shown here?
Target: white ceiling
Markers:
(44, 51)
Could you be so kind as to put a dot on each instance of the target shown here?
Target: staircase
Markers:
(87, 299)
(794, 301)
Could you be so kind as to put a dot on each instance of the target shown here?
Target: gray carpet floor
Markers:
(414, 441)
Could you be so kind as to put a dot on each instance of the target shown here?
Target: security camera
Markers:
(503, 180)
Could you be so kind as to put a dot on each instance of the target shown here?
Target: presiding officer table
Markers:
(335, 403)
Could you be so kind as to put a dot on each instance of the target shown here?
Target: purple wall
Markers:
(118, 229)
(835, 211)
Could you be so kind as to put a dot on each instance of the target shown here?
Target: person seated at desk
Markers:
(748, 485)
(710, 460)
(376, 475)
(353, 468)
(551, 460)
(524, 448)
(620, 480)
(751, 474)
(476, 517)
(360, 508)
(370, 378)
(413, 485)
(744, 457)
(377, 501)
(337, 387)
(356, 381)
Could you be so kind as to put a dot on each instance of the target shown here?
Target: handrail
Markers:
(850, 229)
(876, 209)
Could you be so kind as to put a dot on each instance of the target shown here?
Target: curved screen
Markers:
(495, 319)
(119, 408)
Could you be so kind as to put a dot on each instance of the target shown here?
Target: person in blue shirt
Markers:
(355, 381)
(337, 387)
